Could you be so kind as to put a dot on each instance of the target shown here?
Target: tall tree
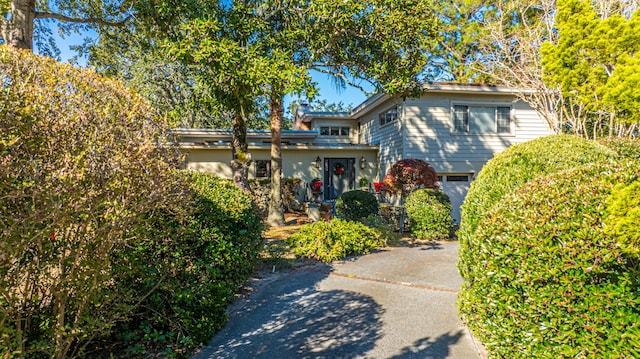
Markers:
(593, 64)
(18, 16)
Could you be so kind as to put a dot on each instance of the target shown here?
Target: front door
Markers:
(339, 176)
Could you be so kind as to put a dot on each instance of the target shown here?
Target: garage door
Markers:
(456, 186)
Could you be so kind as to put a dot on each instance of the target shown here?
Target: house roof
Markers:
(309, 116)
(217, 135)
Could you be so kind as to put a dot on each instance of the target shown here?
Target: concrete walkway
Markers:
(398, 303)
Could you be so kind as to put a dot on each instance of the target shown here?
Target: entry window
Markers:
(263, 169)
(481, 119)
(334, 131)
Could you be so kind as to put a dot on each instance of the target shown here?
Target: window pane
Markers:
(482, 119)
(460, 118)
(344, 131)
(335, 131)
(504, 119)
(457, 178)
(324, 131)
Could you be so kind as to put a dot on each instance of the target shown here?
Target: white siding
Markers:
(389, 136)
(429, 131)
(353, 131)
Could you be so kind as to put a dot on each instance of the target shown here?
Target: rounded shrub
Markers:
(187, 265)
(624, 147)
(328, 241)
(515, 167)
(356, 205)
(79, 162)
(429, 213)
(623, 219)
(549, 281)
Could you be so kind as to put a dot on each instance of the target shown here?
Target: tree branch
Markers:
(94, 20)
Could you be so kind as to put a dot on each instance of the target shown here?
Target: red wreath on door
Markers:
(338, 169)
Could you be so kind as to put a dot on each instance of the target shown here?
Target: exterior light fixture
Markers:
(318, 162)
(363, 162)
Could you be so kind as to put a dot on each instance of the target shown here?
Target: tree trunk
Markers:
(276, 208)
(17, 31)
(240, 157)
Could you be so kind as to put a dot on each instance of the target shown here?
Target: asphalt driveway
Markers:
(398, 303)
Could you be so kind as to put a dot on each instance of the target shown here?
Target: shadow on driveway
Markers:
(292, 319)
(427, 348)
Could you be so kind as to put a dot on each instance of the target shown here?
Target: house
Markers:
(455, 128)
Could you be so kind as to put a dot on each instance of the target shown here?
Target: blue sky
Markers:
(328, 90)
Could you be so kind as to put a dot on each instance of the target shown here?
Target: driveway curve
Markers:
(397, 303)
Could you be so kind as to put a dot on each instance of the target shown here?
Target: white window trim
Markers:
(340, 127)
(495, 105)
(397, 108)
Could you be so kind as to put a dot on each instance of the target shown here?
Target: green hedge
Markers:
(190, 264)
(356, 205)
(429, 213)
(512, 169)
(624, 147)
(79, 163)
(328, 241)
(548, 281)
(623, 219)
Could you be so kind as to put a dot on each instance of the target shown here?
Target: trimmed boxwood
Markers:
(549, 282)
(328, 241)
(624, 147)
(356, 205)
(512, 169)
(429, 213)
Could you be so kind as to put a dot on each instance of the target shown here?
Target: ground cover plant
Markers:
(545, 277)
(328, 241)
(429, 213)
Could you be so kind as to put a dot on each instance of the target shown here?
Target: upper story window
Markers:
(263, 168)
(481, 119)
(334, 131)
(388, 116)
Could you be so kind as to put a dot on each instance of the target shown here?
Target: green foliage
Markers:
(408, 175)
(356, 205)
(515, 167)
(429, 212)
(79, 161)
(328, 241)
(548, 280)
(187, 265)
(595, 64)
(623, 219)
(625, 147)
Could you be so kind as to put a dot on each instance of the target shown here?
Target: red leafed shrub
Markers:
(409, 174)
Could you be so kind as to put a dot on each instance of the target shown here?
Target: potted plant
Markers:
(316, 186)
